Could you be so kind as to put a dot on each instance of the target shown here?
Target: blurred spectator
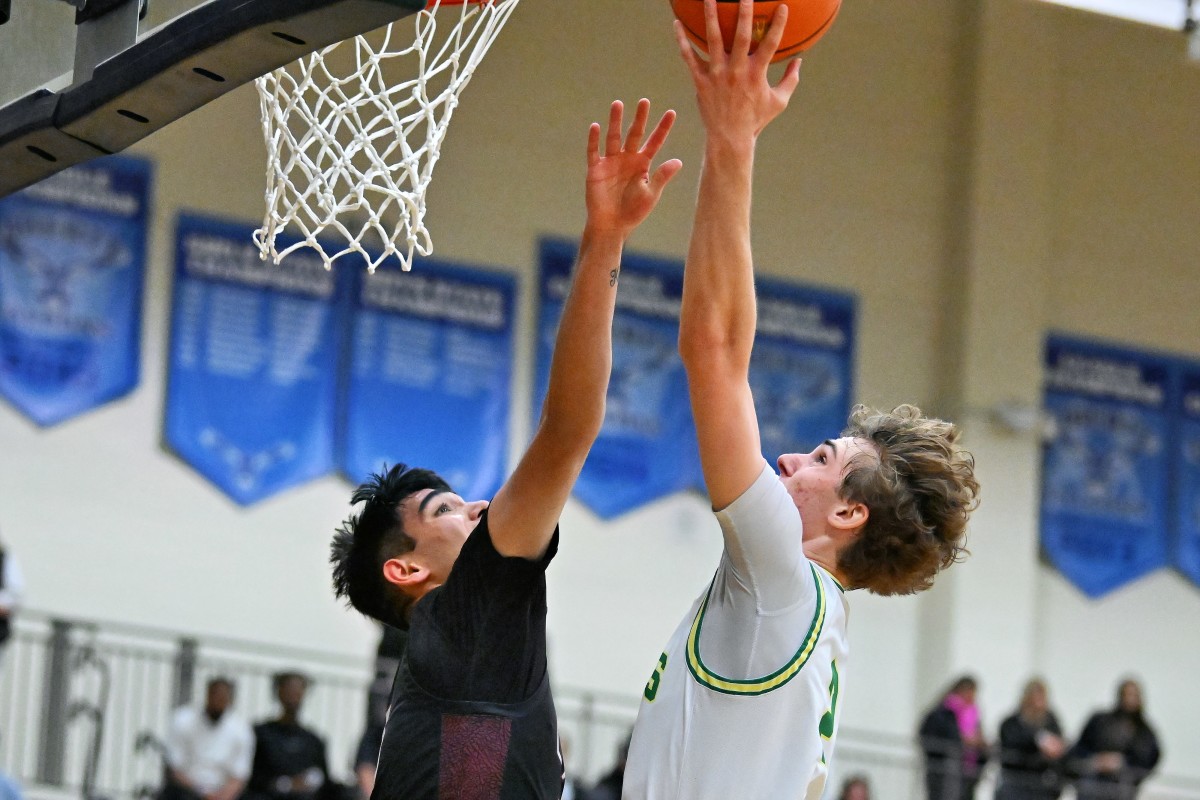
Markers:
(289, 759)
(953, 744)
(609, 787)
(366, 758)
(12, 589)
(855, 788)
(572, 790)
(1116, 750)
(392, 642)
(1031, 749)
(209, 750)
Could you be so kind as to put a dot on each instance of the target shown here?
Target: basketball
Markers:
(808, 21)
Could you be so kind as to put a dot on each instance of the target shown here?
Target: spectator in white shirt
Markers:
(209, 750)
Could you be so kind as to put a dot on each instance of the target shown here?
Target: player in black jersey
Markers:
(471, 715)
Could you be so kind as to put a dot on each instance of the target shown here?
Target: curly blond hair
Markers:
(920, 490)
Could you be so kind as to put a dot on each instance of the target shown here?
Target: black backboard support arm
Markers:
(144, 86)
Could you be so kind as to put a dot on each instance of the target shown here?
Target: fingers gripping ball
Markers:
(808, 21)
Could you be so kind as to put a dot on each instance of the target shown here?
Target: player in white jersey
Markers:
(743, 704)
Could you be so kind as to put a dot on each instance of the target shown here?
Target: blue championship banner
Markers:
(1105, 468)
(647, 447)
(72, 264)
(253, 373)
(1187, 475)
(429, 374)
(802, 367)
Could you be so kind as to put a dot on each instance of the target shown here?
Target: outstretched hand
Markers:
(735, 96)
(621, 190)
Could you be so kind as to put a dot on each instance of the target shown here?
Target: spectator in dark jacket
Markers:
(289, 759)
(609, 787)
(1116, 750)
(392, 642)
(1031, 749)
(953, 744)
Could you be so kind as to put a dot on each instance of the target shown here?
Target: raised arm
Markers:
(621, 192)
(716, 329)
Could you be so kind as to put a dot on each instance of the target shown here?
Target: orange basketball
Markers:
(808, 21)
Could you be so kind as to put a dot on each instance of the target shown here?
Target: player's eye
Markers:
(821, 459)
(442, 509)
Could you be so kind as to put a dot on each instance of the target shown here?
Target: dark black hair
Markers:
(280, 678)
(962, 684)
(365, 541)
(220, 680)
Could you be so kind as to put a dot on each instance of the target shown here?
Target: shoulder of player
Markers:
(479, 570)
(827, 577)
(481, 546)
(763, 488)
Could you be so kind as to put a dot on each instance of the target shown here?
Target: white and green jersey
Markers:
(743, 703)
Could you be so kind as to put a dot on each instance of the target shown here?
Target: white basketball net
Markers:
(351, 147)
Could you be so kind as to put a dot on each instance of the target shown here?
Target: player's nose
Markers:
(475, 508)
(788, 463)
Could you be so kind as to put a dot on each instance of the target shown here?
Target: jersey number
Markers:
(655, 679)
(828, 719)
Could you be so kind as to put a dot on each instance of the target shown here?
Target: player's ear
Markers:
(847, 515)
(404, 571)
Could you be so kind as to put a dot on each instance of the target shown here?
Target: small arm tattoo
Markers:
(612, 277)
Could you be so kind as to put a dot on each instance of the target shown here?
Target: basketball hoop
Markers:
(351, 149)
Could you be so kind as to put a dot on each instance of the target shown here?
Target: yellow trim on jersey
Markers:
(755, 686)
(836, 582)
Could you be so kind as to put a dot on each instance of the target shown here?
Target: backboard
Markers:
(83, 78)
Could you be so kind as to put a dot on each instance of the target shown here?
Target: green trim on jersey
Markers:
(755, 686)
(836, 582)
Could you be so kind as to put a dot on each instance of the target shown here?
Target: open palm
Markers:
(621, 190)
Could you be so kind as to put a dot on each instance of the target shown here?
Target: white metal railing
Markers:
(83, 705)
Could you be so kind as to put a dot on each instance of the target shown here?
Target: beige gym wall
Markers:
(977, 172)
